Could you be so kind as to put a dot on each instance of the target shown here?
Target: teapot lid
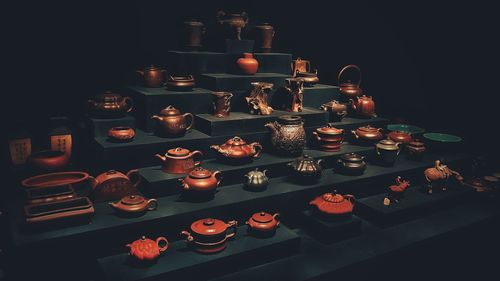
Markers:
(290, 119)
(236, 141)
(367, 129)
(108, 96)
(332, 197)
(349, 84)
(255, 172)
(178, 152)
(132, 200)
(330, 130)
(262, 217)
(193, 21)
(352, 157)
(417, 143)
(388, 144)
(169, 111)
(200, 173)
(151, 67)
(209, 226)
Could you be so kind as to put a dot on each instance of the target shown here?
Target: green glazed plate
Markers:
(442, 137)
(410, 129)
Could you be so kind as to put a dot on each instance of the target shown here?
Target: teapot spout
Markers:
(215, 147)
(156, 117)
(161, 157)
(273, 126)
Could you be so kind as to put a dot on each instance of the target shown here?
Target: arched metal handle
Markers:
(348, 67)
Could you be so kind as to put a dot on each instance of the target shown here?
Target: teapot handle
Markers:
(276, 216)
(134, 174)
(244, 15)
(348, 67)
(350, 198)
(189, 237)
(129, 102)
(152, 204)
(140, 72)
(162, 239)
(93, 182)
(232, 225)
(200, 154)
(217, 175)
(191, 122)
(355, 135)
(256, 145)
(317, 136)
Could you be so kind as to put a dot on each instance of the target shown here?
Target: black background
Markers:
(432, 64)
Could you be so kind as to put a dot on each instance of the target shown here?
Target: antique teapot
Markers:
(110, 105)
(288, 135)
(134, 204)
(306, 169)
(400, 136)
(202, 180)
(349, 89)
(352, 164)
(237, 151)
(438, 176)
(365, 106)
(329, 138)
(236, 22)
(154, 77)
(387, 151)
(113, 185)
(172, 123)
(263, 224)
(210, 235)
(302, 69)
(396, 191)
(336, 109)
(256, 180)
(368, 134)
(334, 204)
(179, 160)
(145, 249)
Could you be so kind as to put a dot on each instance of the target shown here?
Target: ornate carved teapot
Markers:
(306, 169)
(257, 101)
(146, 249)
(110, 105)
(337, 110)
(334, 204)
(236, 150)
(288, 135)
(396, 191)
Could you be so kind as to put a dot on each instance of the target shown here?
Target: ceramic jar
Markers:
(192, 34)
(256, 180)
(336, 109)
(329, 138)
(295, 94)
(222, 104)
(181, 83)
(234, 23)
(263, 224)
(134, 204)
(172, 123)
(416, 149)
(257, 100)
(113, 185)
(396, 191)
(48, 160)
(179, 160)
(350, 89)
(364, 106)
(247, 64)
(367, 134)
(237, 151)
(121, 134)
(351, 164)
(387, 151)
(306, 170)
(110, 105)
(145, 249)
(153, 77)
(288, 135)
(264, 34)
(210, 235)
(400, 136)
(438, 176)
(201, 180)
(333, 205)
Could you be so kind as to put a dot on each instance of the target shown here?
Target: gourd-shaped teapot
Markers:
(365, 106)
(236, 150)
(256, 179)
(306, 169)
(350, 89)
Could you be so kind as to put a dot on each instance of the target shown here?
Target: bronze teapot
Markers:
(350, 89)
(288, 135)
(179, 160)
(110, 105)
(306, 170)
(172, 123)
(256, 180)
(234, 22)
(387, 151)
(237, 151)
(154, 77)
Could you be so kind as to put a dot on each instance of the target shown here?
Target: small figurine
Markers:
(439, 175)
(396, 191)
(257, 101)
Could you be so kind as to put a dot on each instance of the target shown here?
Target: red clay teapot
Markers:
(202, 180)
(110, 105)
(350, 89)
(364, 106)
(236, 150)
(146, 249)
(172, 123)
(179, 160)
(263, 223)
(334, 203)
(154, 77)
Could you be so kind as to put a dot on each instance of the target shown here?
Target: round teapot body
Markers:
(172, 123)
(179, 160)
(152, 76)
(210, 235)
(288, 135)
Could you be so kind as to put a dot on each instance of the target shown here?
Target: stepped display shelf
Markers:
(174, 212)
(185, 62)
(355, 253)
(158, 183)
(242, 122)
(98, 127)
(415, 203)
(330, 230)
(319, 94)
(239, 82)
(180, 263)
(235, 46)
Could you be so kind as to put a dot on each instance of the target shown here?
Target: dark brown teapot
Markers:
(351, 164)
(154, 77)
(306, 170)
(172, 123)
(350, 89)
(110, 105)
